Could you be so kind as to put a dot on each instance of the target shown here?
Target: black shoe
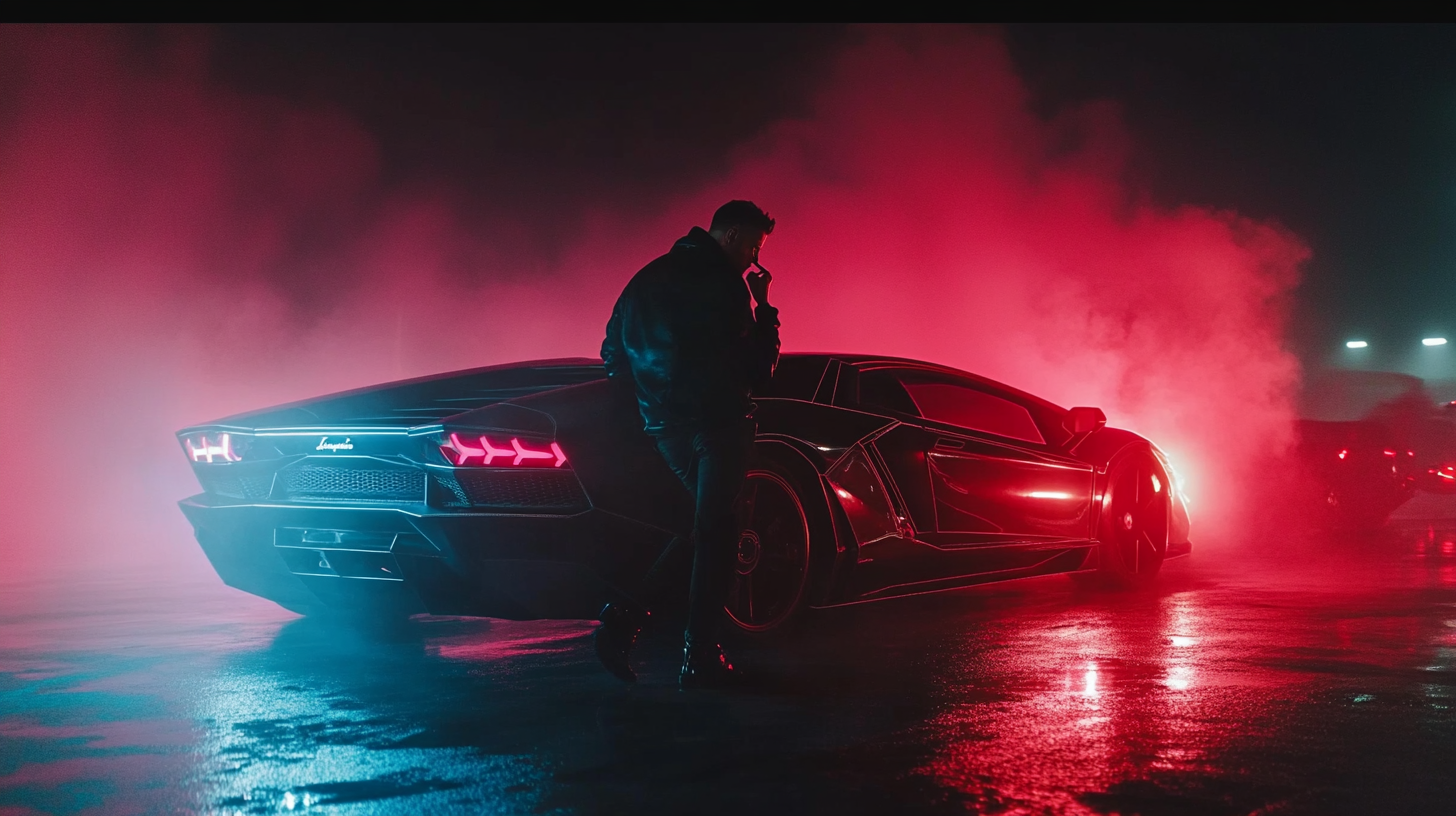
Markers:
(705, 666)
(615, 637)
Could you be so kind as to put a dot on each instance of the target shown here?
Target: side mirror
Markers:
(1084, 420)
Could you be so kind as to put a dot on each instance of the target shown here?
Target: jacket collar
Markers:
(698, 239)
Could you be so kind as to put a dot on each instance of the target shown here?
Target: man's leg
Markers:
(623, 621)
(722, 462)
(681, 456)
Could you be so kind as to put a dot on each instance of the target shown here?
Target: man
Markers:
(684, 336)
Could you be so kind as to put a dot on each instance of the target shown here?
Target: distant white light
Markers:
(1356, 344)
(1434, 341)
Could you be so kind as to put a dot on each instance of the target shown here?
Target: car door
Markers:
(975, 469)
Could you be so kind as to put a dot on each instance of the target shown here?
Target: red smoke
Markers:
(172, 250)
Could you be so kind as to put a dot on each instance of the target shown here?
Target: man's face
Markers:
(742, 245)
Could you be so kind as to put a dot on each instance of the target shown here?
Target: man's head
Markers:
(740, 227)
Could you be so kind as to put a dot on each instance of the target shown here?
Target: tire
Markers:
(782, 524)
(1132, 532)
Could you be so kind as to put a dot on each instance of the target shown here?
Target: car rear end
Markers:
(480, 513)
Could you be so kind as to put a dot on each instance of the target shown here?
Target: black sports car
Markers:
(1366, 440)
(529, 490)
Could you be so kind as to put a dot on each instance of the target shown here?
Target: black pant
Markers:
(711, 464)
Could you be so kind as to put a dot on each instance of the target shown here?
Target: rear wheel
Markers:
(1133, 533)
(771, 574)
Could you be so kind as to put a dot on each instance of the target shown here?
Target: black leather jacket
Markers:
(683, 333)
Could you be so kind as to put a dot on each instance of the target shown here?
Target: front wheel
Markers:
(770, 581)
(1133, 533)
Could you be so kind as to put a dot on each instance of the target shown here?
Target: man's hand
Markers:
(758, 285)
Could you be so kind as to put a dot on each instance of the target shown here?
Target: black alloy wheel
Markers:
(1134, 529)
(771, 572)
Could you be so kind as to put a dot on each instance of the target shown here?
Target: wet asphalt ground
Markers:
(1320, 681)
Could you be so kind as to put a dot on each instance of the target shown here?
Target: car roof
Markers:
(873, 361)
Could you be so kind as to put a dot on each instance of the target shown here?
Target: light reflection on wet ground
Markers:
(1318, 683)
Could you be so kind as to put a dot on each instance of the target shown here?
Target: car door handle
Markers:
(950, 444)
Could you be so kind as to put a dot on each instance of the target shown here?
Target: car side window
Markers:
(943, 398)
(882, 389)
(977, 410)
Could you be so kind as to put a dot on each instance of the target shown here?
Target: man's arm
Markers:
(614, 354)
(765, 331)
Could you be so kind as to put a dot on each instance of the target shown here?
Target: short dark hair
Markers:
(741, 214)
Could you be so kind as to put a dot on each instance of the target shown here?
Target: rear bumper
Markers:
(415, 558)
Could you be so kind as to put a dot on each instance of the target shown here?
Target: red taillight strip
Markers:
(522, 454)
(492, 452)
(462, 451)
(459, 453)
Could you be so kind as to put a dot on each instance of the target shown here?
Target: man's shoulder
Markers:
(655, 271)
(676, 266)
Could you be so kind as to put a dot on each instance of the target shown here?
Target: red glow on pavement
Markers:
(1179, 678)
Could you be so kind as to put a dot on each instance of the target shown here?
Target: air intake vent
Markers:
(352, 484)
(525, 491)
(250, 487)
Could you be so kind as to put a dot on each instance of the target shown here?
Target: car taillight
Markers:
(211, 448)
(468, 450)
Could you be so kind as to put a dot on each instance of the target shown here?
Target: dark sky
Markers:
(1344, 134)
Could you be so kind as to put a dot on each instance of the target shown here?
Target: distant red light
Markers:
(1342, 454)
(1389, 452)
(461, 451)
(208, 452)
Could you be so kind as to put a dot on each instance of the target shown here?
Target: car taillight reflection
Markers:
(211, 448)
(482, 451)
